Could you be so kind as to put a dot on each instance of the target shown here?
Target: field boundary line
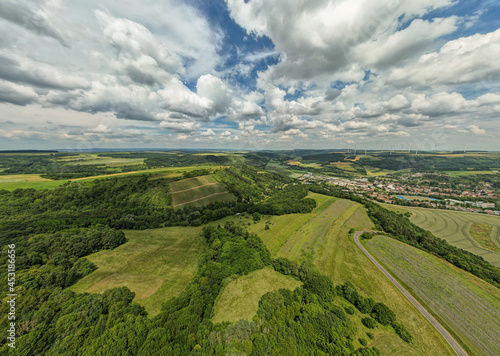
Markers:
(446, 335)
(205, 197)
(198, 187)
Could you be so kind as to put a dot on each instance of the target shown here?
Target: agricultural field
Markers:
(25, 181)
(240, 297)
(155, 264)
(467, 306)
(455, 228)
(327, 244)
(155, 173)
(88, 159)
(199, 191)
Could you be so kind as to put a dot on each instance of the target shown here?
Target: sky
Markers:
(250, 74)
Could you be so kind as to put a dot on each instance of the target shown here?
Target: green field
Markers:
(155, 264)
(337, 256)
(240, 297)
(465, 304)
(88, 159)
(24, 181)
(199, 191)
(455, 226)
(482, 233)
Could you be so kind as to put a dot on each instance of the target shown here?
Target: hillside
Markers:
(467, 306)
(198, 191)
(155, 264)
(322, 238)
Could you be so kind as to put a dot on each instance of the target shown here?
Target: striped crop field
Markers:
(456, 226)
(199, 191)
(466, 305)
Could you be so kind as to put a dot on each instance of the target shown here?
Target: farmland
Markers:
(25, 181)
(455, 228)
(322, 237)
(91, 159)
(466, 305)
(199, 191)
(240, 297)
(155, 264)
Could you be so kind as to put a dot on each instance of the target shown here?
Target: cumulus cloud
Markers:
(33, 19)
(324, 36)
(465, 60)
(476, 130)
(16, 94)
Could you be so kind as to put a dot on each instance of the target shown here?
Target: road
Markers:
(447, 336)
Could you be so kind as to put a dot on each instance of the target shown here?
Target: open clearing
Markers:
(24, 181)
(337, 256)
(199, 191)
(240, 298)
(454, 227)
(155, 264)
(465, 304)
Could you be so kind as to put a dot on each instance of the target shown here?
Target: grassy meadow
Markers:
(455, 227)
(240, 297)
(465, 304)
(155, 264)
(25, 181)
(198, 191)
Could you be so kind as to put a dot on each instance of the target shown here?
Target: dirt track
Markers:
(453, 343)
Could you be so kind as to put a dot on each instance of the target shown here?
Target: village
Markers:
(412, 190)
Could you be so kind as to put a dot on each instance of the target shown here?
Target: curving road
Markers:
(453, 343)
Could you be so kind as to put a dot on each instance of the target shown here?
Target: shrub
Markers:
(370, 323)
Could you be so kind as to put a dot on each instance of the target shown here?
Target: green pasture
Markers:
(155, 264)
(240, 297)
(25, 181)
(465, 304)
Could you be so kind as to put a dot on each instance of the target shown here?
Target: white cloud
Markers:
(476, 130)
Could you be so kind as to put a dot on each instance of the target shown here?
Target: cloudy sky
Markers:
(250, 74)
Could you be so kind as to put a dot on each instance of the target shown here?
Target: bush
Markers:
(383, 314)
(350, 310)
(370, 335)
(367, 235)
(402, 332)
(362, 341)
(370, 323)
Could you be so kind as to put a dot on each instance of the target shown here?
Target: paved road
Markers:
(453, 343)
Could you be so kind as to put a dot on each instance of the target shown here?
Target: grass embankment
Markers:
(455, 227)
(240, 298)
(465, 304)
(155, 264)
(198, 191)
(322, 236)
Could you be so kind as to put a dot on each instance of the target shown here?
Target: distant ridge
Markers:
(28, 151)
